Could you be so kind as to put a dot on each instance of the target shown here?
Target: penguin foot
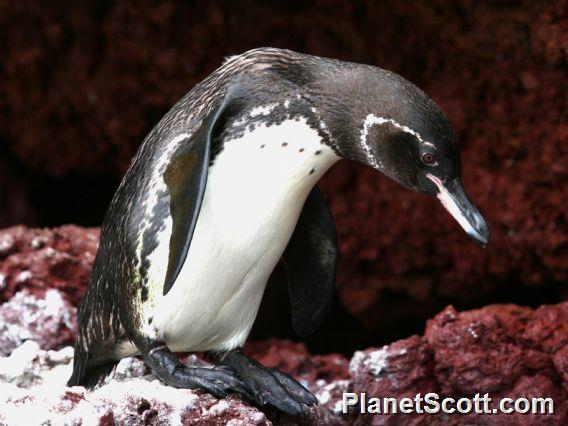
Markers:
(218, 381)
(268, 386)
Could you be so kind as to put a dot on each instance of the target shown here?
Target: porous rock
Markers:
(505, 351)
(502, 350)
(40, 259)
(33, 391)
(48, 320)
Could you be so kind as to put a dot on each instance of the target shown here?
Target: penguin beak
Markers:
(453, 198)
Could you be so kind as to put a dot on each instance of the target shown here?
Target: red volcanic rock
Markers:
(401, 369)
(132, 402)
(40, 259)
(505, 351)
(502, 350)
(560, 360)
(295, 359)
(49, 321)
(492, 348)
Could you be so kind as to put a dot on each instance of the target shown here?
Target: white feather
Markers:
(255, 191)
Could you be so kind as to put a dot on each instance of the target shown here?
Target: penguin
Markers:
(223, 188)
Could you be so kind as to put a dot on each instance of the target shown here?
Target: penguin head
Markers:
(401, 132)
(377, 118)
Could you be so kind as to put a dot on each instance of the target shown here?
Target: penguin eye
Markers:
(428, 158)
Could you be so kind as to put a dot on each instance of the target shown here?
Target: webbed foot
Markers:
(218, 381)
(268, 386)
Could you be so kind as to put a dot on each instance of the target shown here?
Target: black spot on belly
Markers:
(295, 109)
(301, 150)
(144, 293)
(150, 320)
(318, 152)
(312, 171)
(284, 144)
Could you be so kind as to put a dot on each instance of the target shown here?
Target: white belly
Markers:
(255, 192)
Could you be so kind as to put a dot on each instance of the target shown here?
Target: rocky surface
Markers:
(33, 392)
(503, 350)
(96, 77)
(50, 321)
(40, 259)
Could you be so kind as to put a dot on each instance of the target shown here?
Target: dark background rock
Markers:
(81, 84)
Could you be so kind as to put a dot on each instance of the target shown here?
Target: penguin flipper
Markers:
(311, 260)
(186, 177)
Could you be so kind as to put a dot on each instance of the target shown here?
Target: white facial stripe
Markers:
(450, 205)
(372, 120)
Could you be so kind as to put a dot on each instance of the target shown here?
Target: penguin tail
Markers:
(92, 376)
(88, 375)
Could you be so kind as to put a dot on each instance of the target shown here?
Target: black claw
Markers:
(299, 392)
(269, 387)
(290, 407)
(269, 391)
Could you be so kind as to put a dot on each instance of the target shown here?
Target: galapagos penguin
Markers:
(223, 187)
